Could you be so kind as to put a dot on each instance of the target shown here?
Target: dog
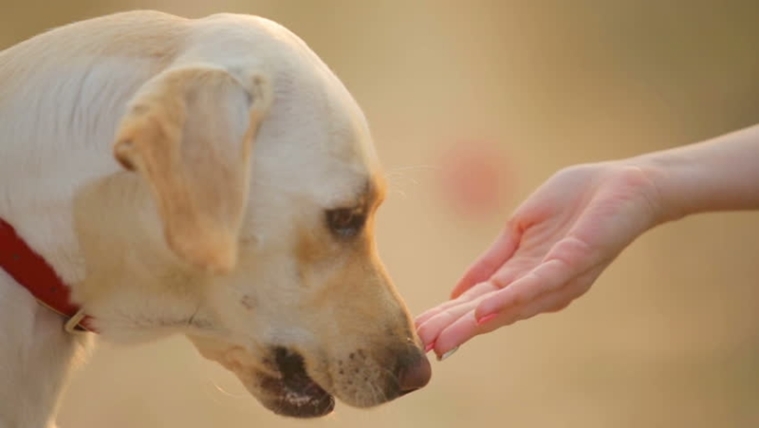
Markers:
(208, 177)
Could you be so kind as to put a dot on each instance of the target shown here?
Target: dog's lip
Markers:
(292, 392)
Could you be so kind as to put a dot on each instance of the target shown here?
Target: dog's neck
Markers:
(36, 355)
(47, 154)
(136, 288)
(35, 274)
(50, 154)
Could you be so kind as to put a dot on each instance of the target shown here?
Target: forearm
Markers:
(720, 174)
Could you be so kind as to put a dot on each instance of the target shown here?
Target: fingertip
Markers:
(424, 333)
(429, 332)
(482, 320)
(424, 317)
(489, 309)
(455, 335)
(484, 312)
(447, 354)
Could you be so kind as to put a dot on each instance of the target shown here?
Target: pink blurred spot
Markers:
(473, 179)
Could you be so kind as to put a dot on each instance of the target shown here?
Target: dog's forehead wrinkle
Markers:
(360, 195)
(249, 301)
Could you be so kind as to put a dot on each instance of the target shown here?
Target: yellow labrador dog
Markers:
(206, 177)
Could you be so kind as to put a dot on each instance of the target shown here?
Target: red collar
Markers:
(32, 271)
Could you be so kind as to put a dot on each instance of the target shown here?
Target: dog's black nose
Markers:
(415, 375)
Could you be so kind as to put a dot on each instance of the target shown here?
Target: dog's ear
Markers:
(189, 132)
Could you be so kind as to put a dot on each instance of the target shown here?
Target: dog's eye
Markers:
(345, 222)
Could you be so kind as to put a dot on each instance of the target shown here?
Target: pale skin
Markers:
(559, 240)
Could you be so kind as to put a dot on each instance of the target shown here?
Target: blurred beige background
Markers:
(668, 337)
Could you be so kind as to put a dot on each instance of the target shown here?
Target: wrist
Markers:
(721, 174)
(661, 178)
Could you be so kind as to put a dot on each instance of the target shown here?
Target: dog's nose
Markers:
(415, 376)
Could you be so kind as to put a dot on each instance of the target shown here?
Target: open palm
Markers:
(551, 251)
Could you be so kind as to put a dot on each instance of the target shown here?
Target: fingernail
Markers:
(448, 354)
(429, 347)
(486, 319)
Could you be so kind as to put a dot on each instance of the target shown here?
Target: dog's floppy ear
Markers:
(189, 132)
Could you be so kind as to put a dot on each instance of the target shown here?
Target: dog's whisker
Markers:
(226, 393)
(413, 168)
(399, 192)
(401, 178)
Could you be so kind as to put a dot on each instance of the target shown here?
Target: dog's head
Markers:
(266, 187)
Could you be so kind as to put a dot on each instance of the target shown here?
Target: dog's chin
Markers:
(291, 391)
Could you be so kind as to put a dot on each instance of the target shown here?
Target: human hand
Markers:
(551, 251)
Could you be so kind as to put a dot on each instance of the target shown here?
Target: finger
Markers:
(457, 333)
(546, 277)
(467, 326)
(472, 293)
(554, 301)
(429, 330)
(492, 259)
(567, 259)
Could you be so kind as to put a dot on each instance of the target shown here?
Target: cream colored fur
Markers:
(176, 174)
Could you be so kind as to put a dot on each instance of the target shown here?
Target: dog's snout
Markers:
(414, 374)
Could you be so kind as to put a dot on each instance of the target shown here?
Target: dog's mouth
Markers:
(293, 393)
